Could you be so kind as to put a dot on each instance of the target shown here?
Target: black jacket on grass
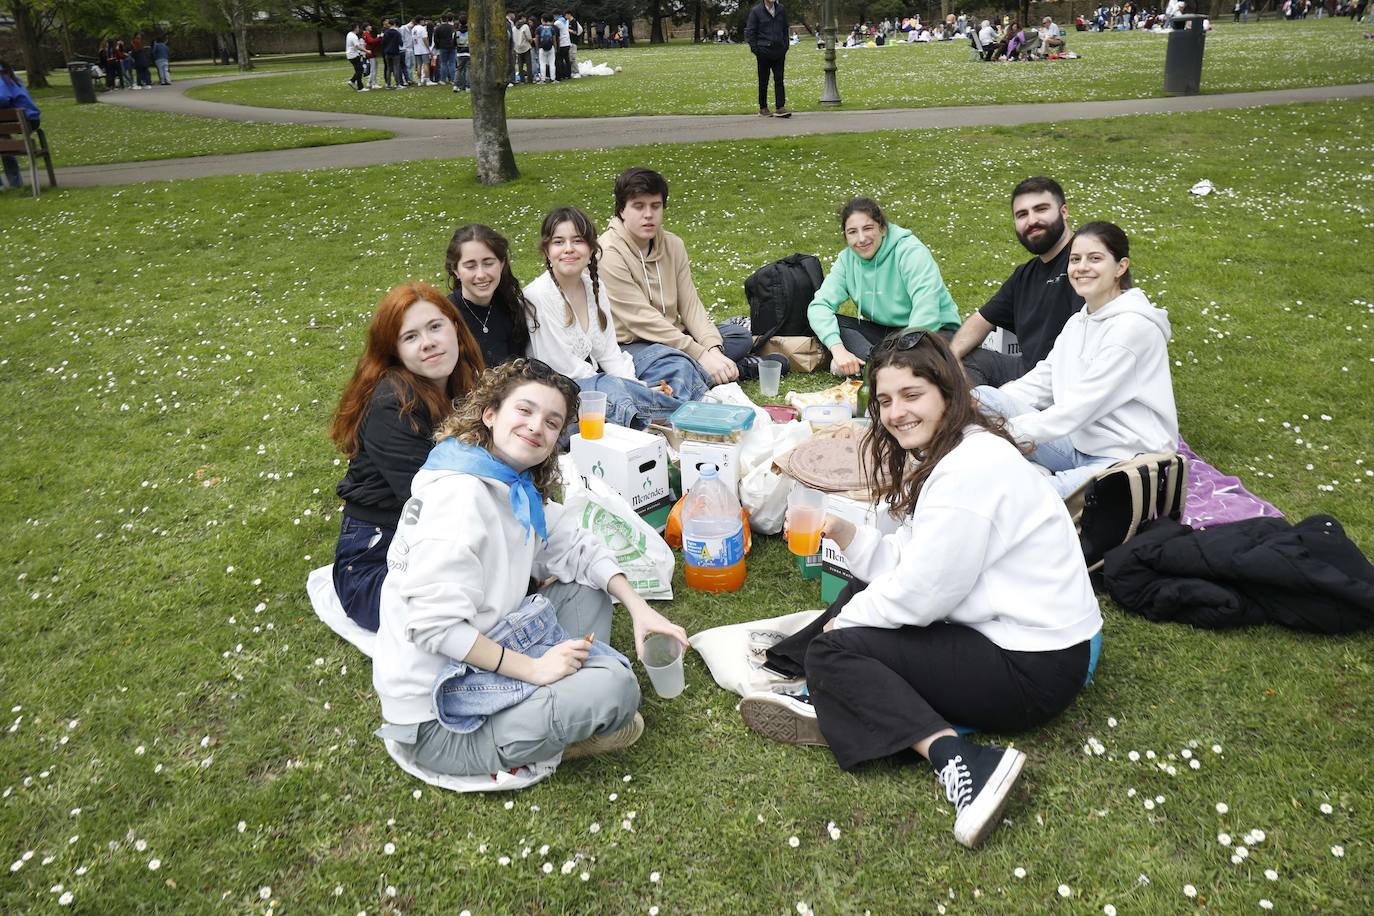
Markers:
(768, 36)
(391, 449)
(1307, 576)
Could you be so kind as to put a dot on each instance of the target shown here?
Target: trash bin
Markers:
(83, 82)
(1183, 58)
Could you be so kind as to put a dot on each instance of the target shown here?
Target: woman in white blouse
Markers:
(576, 335)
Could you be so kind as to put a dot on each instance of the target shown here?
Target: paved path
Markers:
(420, 139)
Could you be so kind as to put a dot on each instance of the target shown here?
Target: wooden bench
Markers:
(19, 138)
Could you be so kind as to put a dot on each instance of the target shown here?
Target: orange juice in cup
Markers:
(591, 414)
(805, 518)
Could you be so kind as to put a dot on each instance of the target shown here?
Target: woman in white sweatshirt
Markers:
(977, 611)
(1104, 393)
(576, 335)
(476, 531)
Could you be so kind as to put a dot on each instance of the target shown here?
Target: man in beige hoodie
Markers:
(648, 280)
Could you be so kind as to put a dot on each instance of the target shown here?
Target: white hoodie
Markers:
(990, 546)
(458, 564)
(1106, 383)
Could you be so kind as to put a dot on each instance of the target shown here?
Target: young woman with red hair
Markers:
(419, 360)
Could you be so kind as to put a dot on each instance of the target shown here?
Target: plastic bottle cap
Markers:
(707, 471)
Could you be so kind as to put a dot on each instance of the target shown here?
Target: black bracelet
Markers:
(497, 669)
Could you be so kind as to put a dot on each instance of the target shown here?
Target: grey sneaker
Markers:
(618, 740)
(788, 718)
(978, 781)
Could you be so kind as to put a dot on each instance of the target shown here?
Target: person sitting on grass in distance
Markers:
(418, 361)
(1035, 301)
(479, 527)
(977, 611)
(1105, 392)
(486, 293)
(576, 335)
(653, 299)
(1051, 36)
(891, 278)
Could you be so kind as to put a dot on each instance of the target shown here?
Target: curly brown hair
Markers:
(893, 476)
(466, 424)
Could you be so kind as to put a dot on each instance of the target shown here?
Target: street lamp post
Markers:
(830, 94)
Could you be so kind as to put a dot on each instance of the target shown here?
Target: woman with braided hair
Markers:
(576, 335)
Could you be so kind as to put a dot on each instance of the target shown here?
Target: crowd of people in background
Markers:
(131, 65)
(430, 52)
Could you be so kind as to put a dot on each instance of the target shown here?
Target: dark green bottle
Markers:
(862, 407)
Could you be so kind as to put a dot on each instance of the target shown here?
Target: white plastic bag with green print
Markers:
(642, 553)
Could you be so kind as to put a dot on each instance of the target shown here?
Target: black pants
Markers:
(392, 64)
(878, 692)
(779, 90)
(357, 79)
(988, 367)
(562, 64)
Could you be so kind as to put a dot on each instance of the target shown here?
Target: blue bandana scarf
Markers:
(525, 501)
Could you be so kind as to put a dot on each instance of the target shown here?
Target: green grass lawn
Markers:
(668, 80)
(184, 735)
(96, 134)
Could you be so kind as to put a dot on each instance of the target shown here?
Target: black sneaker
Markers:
(978, 781)
(785, 717)
(749, 365)
(741, 320)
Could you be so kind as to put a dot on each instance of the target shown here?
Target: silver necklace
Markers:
(473, 312)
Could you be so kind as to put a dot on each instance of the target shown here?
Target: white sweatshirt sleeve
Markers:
(1036, 386)
(938, 565)
(572, 553)
(1107, 382)
(442, 587)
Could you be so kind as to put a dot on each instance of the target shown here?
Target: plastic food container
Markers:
(707, 422)
(781, 413)
(825, 414)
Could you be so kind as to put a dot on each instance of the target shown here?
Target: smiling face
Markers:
(428, 342)
(567, 251)
(525, 428)
(478, 272)
(1039, 220)
(911, 408)
(1094, 271)
(643, 215)
(863, 234)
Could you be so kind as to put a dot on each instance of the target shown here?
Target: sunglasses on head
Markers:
(907, 340)
(541, 371)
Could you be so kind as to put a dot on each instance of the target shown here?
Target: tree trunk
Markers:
(489, 67)
(30, 33)
(319, 40)
(1025, 13)
(656, 24)
(245, 59)
(946, 7)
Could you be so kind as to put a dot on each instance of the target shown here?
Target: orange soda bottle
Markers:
(712, 535)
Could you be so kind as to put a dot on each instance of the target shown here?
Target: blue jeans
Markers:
(1069, 468)
(461, 81)
(360, 568)
(656, 363)
(164, 72)
(448, 66)
(409, 71)
(465, 696)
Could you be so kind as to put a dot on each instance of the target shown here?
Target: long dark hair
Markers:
(586, 230)
(508, 295)
(868, 207)
(892, 476)
(381, 364)
(1114, 239)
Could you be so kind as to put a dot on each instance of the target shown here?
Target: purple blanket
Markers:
(1216, 499)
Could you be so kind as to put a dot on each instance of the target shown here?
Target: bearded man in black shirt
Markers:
(1036, 299)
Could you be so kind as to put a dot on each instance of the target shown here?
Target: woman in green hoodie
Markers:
(891, 278)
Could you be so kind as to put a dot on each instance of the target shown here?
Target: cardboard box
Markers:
(634, 464)
(835, 574)
(724, 455)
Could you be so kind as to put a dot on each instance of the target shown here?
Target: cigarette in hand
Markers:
(588, 637)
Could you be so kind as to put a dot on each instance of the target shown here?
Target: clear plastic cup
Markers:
(662, 658)
(805, 518)
(591, 414)
(770, 375)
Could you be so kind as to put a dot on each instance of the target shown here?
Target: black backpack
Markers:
(778, 295)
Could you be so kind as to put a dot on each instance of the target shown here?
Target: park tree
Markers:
(491, 52)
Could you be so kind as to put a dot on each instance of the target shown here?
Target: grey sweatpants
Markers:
(599, 698)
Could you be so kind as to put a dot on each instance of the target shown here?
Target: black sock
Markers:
(943, 749)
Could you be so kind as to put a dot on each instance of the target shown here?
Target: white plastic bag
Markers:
(639, 550)
(735, 653)
(762, 490)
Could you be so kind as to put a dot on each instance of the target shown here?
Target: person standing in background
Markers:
(767, 35)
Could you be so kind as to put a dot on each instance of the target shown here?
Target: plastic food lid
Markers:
(712, 419)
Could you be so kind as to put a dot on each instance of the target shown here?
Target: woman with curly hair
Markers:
(576, 335)
(977, 610)
(486, 293)
(418, 360)
(475, 674)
